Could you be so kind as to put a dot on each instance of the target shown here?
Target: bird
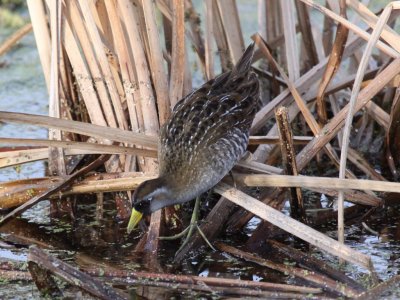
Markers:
(206, 134)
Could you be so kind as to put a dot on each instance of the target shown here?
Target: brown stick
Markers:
(56, 188)
(156, 62)
(375, 292)
(330, 130)
(314, 264)
(305, 28)
(44, 282)
(154, 279)
(178, 52)
(46, 265)
(332, 66)
(318, 279)
(309, 118)
(13, 39)
(296, 228)
(103, 132)
(289, 161)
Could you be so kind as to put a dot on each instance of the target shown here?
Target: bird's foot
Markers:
(189, 230)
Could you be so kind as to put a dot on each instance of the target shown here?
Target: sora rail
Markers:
(205, 136)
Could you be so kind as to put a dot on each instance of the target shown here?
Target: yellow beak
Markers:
(134, 220)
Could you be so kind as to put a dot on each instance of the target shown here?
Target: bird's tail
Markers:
(244, 62)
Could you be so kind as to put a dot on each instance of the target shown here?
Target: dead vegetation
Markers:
(115, 69)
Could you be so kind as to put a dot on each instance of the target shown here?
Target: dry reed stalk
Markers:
(360, 162)
(327, 30)
(42, 265)
(262, 18)
(314, 263)
(378, 114)
(337, 86)
(330, 130)
(306, 33)
(332, 67)
(294, 227)
(274, 26)
(102, 21)
(260, 180)
(187, 79)
(178, 52)
(258, 167)
(388, 34)
(220, 38)
(156, 62)
(56, 156)
(297, 140)
(289, 161)
(147, 101)
(130, 17)
(65, 182)
(96, 131)
(291, 47)
(378, 290)
(352, 109)
(230, 19)
(127, 73)
(125, 277)
(19, 156)
(95, 97)
(302, 84)
(195, 36)
(392, 135)
(311, 122)
(270, 195)
(15, 158)
(16, 193)
(363, 34)
(352, 196)
(310, 276)
(42, 35)
(108, 185)
(101, 57)
(15, 38)
(83, 76)
(209, 36)
(94, 148)
(317, 182)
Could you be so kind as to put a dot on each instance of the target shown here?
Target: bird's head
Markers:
(148, 197)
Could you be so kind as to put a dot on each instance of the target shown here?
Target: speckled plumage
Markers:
(205, 136)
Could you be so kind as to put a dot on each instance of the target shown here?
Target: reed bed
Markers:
(114, 71)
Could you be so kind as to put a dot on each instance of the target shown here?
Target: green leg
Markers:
(193, 225)
(189, 229)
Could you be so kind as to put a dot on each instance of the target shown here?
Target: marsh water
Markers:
(22, 89)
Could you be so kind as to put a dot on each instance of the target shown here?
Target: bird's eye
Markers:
(149, 199)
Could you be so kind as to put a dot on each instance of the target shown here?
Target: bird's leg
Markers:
(193, 225)
(189, 229)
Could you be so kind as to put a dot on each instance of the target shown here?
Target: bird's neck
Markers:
(177, 191)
